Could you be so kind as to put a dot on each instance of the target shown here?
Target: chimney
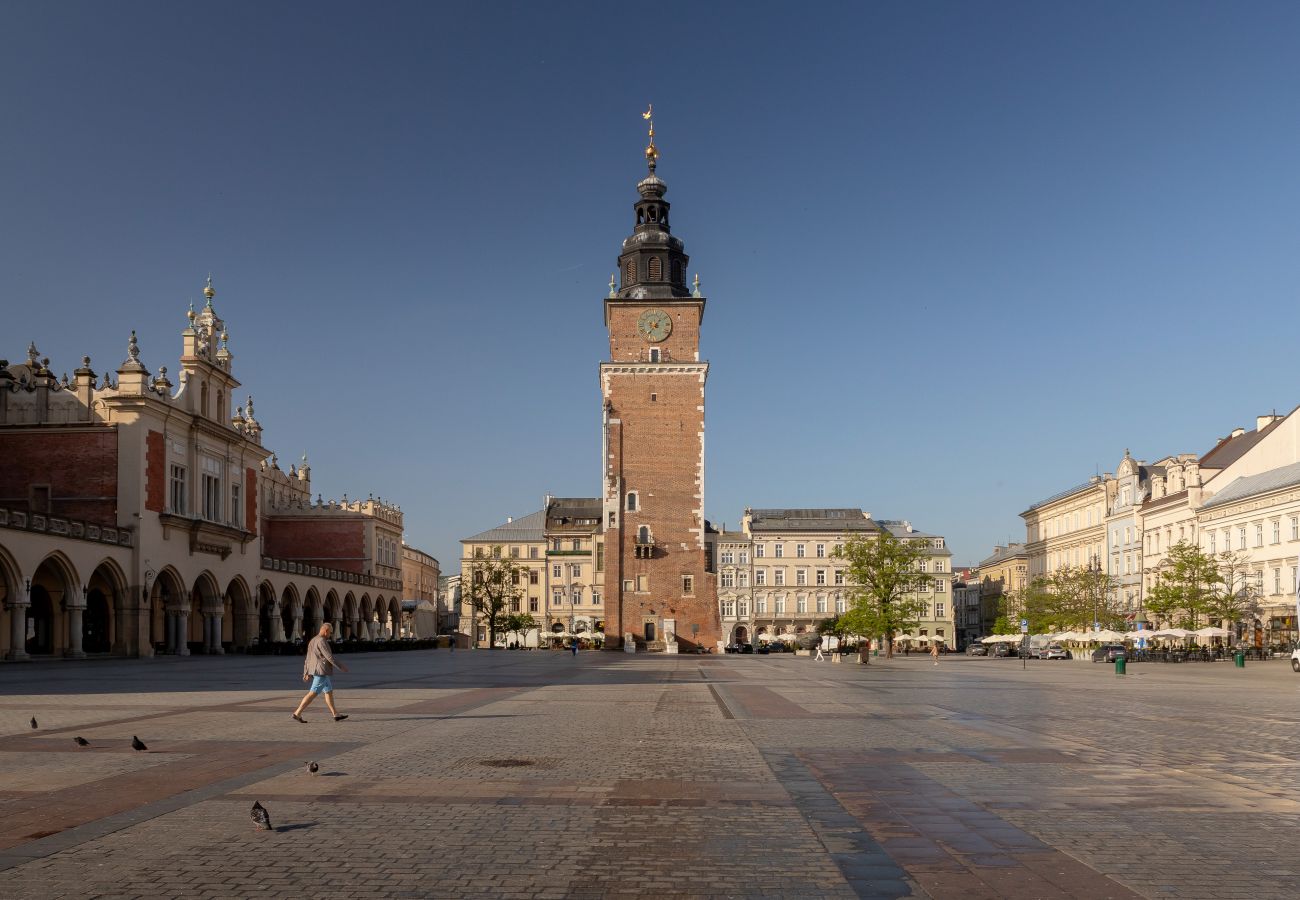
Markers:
(1237, 432)
(509, 519)
(1262, 422)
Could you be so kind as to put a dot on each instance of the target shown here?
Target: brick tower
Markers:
(657, 587)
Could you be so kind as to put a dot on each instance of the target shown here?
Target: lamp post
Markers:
(1094, 571)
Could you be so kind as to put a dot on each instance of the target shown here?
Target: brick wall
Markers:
(79, 466)
(155, 471)
(337, 543)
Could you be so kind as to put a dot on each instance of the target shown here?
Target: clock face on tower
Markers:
(654, 325)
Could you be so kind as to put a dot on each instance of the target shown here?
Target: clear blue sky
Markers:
(958, 256)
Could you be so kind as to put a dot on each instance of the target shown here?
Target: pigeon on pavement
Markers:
(313, 767)
(81, 741)
(137, 744)
(34, 725)
(261, 821)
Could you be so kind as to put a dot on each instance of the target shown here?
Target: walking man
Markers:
(934, 652)
(820, 655)
(319, 666)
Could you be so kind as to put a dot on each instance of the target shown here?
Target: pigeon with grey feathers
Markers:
(261, 820)
(313, 767)
(34, 725)
(81, 741)
(137, 744)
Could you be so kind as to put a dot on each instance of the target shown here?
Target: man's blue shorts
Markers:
(321, 684)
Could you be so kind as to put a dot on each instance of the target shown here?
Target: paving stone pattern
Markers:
(537, 775)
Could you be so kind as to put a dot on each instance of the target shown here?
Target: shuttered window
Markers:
(656, 269)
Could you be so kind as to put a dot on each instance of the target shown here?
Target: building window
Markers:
(654, 357)
(728, 579)
(801, 604)
(600, 557)
(595, 597)
(938, 543)
(627, 585)
(729, 608)
(742, 579)
(821, 604)
(656, 269)
(821, 576)
(923, 566)
(742, 607)
(798, 550)
(533, 576)
(1241, 538)
(744, 558)
(939, 586)
(728, 558)
(780, 604)
(840, 605)
(758, 548)
(577, 595)
(1277, 531)
(532, 604)
(760, 577)
(1295, 528)
(514, 552)
(801, 576)
(778, 577)
(760, 605)
(1213, 549)
(557, 571)
(938, 609)
(643, 583)
(924, 587)
(576, 570)
(514, 605)
(821, 551)
(688, 585)
(839, 576)
(576, 544)
(178, 479)
(211, 490)
(631, 501)
(1277, 581)
(532, 553)
(557, 597)
(778, 550)
(1259, 534)
(629, 272)
(236, 507)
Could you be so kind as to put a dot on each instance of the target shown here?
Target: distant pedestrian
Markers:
(934, 652)
(820, 655)
(319, 667)
(574, 647)
(451, 643)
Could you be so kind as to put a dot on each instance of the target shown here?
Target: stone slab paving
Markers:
(537, 775)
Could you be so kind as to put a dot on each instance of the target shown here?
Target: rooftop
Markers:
(531, 527)
(1254, 485)
(822, 519)
(1001, 554)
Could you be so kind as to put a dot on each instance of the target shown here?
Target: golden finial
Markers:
(209, 291)
(651, 151)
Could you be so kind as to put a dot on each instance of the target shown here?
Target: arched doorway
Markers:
(165, 598)
(99, 624)
(54, 589)
(289, 612)
(8, 590)
(742, 634)
(265, 613)
(332, 614)
(367, 615)
(349, 617)
(40, 623)
(205, 613)
(649, 631)
(311, 613)
(240, 620)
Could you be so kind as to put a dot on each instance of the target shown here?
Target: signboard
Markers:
(1024, 626)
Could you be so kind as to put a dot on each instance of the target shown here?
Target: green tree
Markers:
(1002, 625)
(1238, 592)
(1188, 581)
(835, 627)
(883, 575)
(493, 582)
(517, 623)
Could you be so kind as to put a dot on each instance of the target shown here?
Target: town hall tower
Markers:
(658, 588)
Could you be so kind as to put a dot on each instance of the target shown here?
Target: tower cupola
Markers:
(653, 262)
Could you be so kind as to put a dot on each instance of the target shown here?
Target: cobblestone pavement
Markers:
(537, 775)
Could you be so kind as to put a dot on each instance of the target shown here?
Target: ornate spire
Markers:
(209, 291)
(652, 263)
(133, 349)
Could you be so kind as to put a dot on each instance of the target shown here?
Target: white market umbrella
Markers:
(1172, 633)
(1068, 636)
(1212, 632)
(1105, 636)
(1001, 639)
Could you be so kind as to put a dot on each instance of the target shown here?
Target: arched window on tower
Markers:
(629, 272)
(203, 400)
(643, 535)
(677, 271)
(631, 501)
(656, 269)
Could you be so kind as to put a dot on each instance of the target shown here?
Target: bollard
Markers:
(1120, 665)
(1239, 659)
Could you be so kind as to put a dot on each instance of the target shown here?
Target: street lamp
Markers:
(1094, 571)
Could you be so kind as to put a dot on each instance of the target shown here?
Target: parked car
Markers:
(777, 647)
(1295, 660)
(1108, 653)
(1001, 650)
(977, 650)
(762, 648)
(1055, 651)
(731, 648)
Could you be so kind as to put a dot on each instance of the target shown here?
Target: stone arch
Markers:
(291, 612)
(350, 616)
(367, 617)
(205, 602)
(267, 617)
(239, 623)
(55, 592)
(166, 595)
(311, 613)
(334, 613)
(395, 616)
(11, 592)
(381, 616)
(102, 628)
(740, 635)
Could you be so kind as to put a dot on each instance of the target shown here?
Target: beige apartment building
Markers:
(797, 581)
(730, 555)
(1002, 578)
(1068, 529)
(560, 549)
(420, 575)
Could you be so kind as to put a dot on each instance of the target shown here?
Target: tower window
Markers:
(631, 501)
(677, 271)
(656, 269)
(629, 272)
(654, 354)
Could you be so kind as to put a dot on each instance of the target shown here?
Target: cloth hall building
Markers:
(140, 515)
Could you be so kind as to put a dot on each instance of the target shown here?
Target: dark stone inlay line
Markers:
(717, 698)
(869, 870)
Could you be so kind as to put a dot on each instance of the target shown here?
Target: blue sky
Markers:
(958, 256)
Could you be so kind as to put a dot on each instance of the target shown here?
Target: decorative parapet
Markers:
(61, 527)
(293, 567)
